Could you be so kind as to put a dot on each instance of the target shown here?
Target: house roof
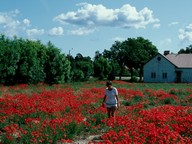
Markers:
(180, 60)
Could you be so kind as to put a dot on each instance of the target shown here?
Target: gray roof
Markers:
(180, 60)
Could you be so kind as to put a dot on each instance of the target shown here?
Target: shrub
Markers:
(134, 79)
(126, 103)
(170, 101)
(78, 75)
(136, 99)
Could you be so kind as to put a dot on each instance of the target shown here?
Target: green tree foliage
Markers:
(86, 67)
(137, 52)
(9, 57)
(117, 66)
(186, 50)
(30, 65)
(131, 54)
(57, 66)
(116, 56)
(26, 61)
(82, 67)
(102, 67)
(78, 75)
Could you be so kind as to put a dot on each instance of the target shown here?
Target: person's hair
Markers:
(108, 83)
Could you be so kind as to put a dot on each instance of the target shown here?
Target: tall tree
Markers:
(57, 67)
(117, 54)
(9, 57)
(131, 54)
(102, 68)
(137, 52)
(186, 50)
(97, 55)
(82, 68)
(26, 61)
(112, 59)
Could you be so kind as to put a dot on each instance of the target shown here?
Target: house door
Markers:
(178, 76)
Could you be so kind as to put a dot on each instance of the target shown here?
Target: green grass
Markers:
(98, 84)
(156, 86)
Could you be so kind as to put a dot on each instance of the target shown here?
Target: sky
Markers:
(79, 26)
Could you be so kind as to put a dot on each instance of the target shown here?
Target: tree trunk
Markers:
(120, 74)
(140, 74)
(131, 70)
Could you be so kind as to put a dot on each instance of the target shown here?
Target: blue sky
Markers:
(94, 25)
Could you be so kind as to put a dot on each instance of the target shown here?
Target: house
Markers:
(168, 68)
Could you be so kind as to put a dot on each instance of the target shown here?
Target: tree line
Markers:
(31, 62)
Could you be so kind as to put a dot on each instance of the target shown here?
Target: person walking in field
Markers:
(111, 99)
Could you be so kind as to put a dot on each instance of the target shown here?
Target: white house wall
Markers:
(159, 67)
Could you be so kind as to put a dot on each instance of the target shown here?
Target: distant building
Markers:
(168, 68)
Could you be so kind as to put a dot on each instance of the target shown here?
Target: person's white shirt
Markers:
(111, 97)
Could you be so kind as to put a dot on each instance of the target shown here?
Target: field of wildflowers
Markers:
(149, 113)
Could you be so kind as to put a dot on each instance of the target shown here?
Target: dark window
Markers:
(164, 75)
(153, 75)
(159, 58)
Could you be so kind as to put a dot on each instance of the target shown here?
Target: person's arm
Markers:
(103, 103)
(116, 95)
(104, 99)
(118, 103)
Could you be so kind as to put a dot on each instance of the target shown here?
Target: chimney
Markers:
(166, 52)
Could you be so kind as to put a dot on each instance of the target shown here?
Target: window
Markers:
(164, 75)
(153, 75)
(159, 58)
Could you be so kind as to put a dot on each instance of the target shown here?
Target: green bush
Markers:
(170, 101)
(136, 99)
(134, 79)
(73, 129)
(126, 103)
(77, 75)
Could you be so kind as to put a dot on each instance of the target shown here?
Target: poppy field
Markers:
(149, 113)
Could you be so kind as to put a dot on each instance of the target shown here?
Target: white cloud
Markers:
(82, 31)
(26, 22)
(173, 23)
(156, 25)
(8, 24)
(2, 19)
(89, 15)
(15, 12)
(185, 35)
(56, 31)
(33, 32)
